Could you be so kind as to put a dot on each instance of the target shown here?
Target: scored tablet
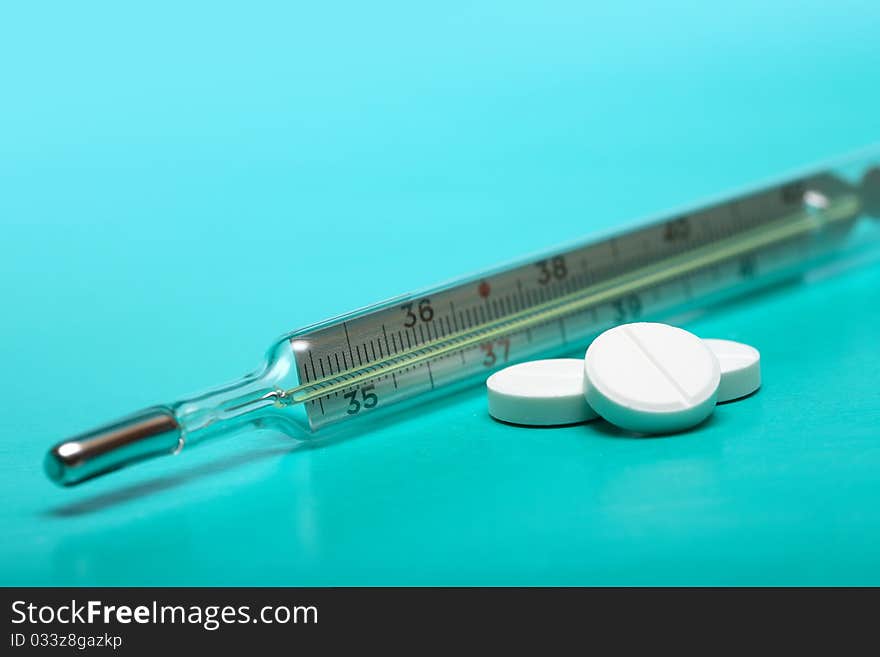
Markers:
(651, 378)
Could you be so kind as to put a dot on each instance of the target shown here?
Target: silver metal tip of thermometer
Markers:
(148, 433)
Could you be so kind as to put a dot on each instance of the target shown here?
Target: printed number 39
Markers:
(369, 399)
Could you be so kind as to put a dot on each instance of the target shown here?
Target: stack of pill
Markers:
(644, 377)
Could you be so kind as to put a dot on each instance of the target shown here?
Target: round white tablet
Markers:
(740, 368)
(651, 378)
(540, 393)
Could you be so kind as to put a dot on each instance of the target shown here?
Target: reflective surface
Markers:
(168, 211)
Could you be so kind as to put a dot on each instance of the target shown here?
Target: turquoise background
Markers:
(181, 182)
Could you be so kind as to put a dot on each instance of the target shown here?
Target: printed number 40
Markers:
(368, 399)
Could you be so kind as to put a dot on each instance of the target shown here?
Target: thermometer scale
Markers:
(345, 373)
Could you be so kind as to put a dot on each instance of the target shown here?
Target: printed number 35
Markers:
(369, 399)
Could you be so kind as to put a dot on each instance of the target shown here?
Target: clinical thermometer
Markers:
(341, 375)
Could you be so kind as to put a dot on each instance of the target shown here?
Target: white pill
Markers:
(540, 393)
(740, 368)
(651, 378)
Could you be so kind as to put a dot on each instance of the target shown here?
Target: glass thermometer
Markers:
(342, 374)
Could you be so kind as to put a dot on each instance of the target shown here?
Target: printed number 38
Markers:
(551, 269)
